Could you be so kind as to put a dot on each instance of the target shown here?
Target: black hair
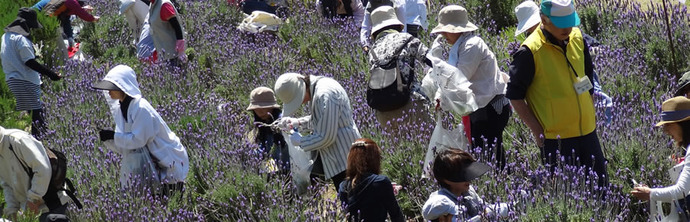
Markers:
(685, 127)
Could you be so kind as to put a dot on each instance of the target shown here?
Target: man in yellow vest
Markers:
(551, 90)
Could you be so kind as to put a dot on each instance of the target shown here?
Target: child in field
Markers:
(140, 130)
(454, 169)
(264, 109)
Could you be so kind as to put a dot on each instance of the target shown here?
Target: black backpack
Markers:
(58, 179)
(386, 90)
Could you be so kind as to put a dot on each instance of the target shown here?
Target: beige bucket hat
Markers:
(262, 97)
(382, 17)
(676, 109)
(290, 88)
(453, 19)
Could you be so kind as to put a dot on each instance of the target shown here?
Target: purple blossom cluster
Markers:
(227, 182)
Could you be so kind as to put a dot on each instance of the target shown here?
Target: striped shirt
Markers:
(334, 129)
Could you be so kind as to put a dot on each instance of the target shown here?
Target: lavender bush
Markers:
(226, 182)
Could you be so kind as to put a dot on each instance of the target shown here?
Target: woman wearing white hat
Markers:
(473, 57)
(331, 120)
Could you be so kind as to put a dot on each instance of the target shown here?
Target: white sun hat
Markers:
(527, 14)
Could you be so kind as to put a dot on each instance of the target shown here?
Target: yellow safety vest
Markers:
(552, 96)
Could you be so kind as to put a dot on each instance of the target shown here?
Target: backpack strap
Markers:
(26, 168)
(396, 53)
(70, 192)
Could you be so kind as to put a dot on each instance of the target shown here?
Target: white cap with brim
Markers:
(290, 88)
(527, 14)
(437, 206)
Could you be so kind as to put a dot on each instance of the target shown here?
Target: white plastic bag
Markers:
(138, 164)
(300, 165)
(260, 21)
(448, 84)
(442, 139)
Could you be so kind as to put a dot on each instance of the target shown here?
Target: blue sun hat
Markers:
(561, 13)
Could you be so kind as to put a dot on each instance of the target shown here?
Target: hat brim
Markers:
(450, 28)
(659, 124)
(259, 106)
(106, 85)
(522, 27)
(567, 21)
(384, 24)
(290, 107)
(471, 172)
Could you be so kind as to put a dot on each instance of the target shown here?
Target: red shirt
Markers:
(167, 11)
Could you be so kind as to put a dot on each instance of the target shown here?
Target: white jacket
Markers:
(676, 191)
(136, 12)
(144, 127)
(17, 187)
(474, 58)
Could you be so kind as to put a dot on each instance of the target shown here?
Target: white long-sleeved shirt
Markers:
(676, 191)
(333, 126)
(415, 13)
(17, 187)
(474, 58)
(365, 30)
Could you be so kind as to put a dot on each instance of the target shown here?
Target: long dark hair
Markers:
(685, 127)
(364, 158)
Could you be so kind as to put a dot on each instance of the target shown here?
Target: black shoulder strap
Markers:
(26, 168)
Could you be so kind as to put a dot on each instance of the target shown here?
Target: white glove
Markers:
(296, 138)
(287, 123)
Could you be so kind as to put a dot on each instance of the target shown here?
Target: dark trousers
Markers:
(38, 124)
(57, 214)
(66, 25)
(317, 172)
(578, 151)
(487, 129)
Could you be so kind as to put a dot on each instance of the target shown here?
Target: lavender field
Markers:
(635, 63)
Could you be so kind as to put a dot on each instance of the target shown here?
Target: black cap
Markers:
(26, 20)
(105, 85)
(469, 172)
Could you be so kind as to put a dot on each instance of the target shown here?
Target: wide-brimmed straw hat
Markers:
(262, 97)
(290, 88)
(383, 17)
(527, 14)
(676, 109)
(453, 19)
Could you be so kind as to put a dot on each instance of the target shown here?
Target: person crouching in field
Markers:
(141, 136)
(265, 110)
(21, 154)
(454, 169)
(21, 68)
(368, 196)
(675, 121)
